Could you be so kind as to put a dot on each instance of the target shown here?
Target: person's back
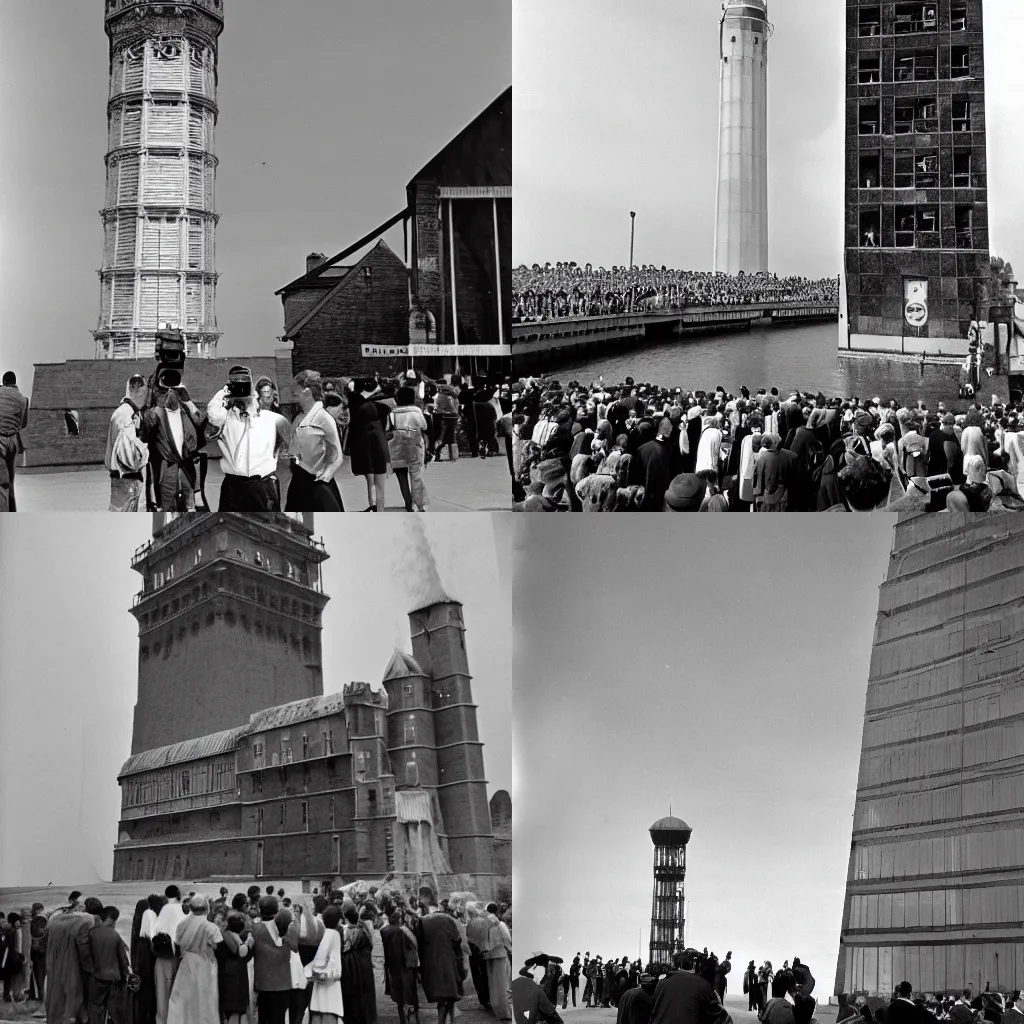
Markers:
(634, 1007)
(778, 1011)
(682, 998)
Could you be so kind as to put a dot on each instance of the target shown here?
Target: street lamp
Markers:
(632, 232)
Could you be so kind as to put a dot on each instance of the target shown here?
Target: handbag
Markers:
(298, 971)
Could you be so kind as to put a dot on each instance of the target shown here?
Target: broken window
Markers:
(869, 118)
(961, 115)
(926, 170)
(869, 177)
(916, 116)
(870, 227)
(905, 216)
(869, 71)
(960, 62)
(904, 169)
(964, 227)
(927, 227)
(915, 66)
(915, 17)
(870, 21)
(958, 18)
(962, 170)
(72, 423)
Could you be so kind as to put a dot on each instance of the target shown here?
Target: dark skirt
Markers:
(307, 494)
(232, 981)
(367, 444)
(358, 988)
(140, 1007)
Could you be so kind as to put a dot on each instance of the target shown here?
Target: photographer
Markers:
(248, 438)
(315, 451)
(175, 431)
(126, 453)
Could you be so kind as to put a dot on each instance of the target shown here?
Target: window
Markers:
(926, 170)
(362, 765)
(409, 731)
(257, 753)
(916, 116)
(869, 171)
(915, 17)
(960, 62)
(964, 227)
(958, 18)
(282, 816)
(371, 796)
(905, 226)
(870, 227)
(198, 557)
(257, 783)
(258, 559)
(917, 227)
(332, 812)
(259, 821)
(869, 69)
(962, 170)
(305, 746)
(186, 783)
(870, 21)
(326, 743)
(915, 66)
(158, 580)
(869, 119)
(961, 115)
(305, 816)
(904, 169)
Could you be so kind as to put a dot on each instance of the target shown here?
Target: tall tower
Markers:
(670, 836)
(229, 622)
(159, 217)
(934, 892)
(439, 651)
(741, 227)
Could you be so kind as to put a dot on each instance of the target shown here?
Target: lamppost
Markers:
(632, 232)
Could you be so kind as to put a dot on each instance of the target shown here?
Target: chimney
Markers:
(314, 260)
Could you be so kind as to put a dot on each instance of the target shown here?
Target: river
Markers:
(801, 357)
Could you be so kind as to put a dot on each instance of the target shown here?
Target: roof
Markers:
(670, 824)
(401, 666)
(481, 154)
(188, 750)
(297, 711)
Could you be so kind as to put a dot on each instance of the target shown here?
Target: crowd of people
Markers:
(258, 957)
(908, 1007)
(641, 447)
(568, 290)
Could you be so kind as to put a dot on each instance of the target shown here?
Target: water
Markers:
(802, 357)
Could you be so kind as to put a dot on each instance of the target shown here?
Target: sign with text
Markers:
(915, 302)
(384, 351)
(462, 350)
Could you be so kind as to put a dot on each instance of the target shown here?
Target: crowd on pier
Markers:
(566, 289)
(641, 447)
(258, 957)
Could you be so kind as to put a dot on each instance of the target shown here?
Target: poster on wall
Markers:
(915, 302)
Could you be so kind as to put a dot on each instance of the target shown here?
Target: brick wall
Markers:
(361, 312)
(94, 388)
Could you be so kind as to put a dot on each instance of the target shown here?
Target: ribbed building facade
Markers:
(159, 217)
(935, 890)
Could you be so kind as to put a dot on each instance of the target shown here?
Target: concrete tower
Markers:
(159, 217)
(229, 623)
(670, 836)
(741, 227)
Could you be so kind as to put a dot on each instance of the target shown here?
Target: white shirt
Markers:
(148, 924)
(247, 443)
(174, 422)
(170, 916)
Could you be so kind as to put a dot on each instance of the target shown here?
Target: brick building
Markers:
(916, 226)
(264, 775)
(934, 891)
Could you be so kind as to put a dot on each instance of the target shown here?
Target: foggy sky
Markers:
(70, 656)
(616, 109)
(722, 668)
(327, 109)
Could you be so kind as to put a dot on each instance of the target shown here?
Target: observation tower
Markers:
(670, 836)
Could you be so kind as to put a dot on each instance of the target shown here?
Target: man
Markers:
(477, 935)
(68, 961)
(13, 420)
(1015, 1010)
(903, 1009)
(110, 970)
(529, 1003)
(635, 1003)
(248, 441)
(271, 957)
(37, 933)
(496, 959)
(780, 1007)
(167, 956)
(683, 997)
(175, 433)
(574, 976)
(804, 978)
(750, 986)
(127, 454)
(961, 1011)
(720, 975)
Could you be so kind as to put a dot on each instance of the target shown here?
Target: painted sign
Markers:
(915, 302)
(384, 351)
(462, 350)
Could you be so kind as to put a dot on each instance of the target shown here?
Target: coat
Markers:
(657, 463)
(272, 970)
(440, 957)
(67, 956)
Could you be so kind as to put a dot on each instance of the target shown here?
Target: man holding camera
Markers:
(248, 438)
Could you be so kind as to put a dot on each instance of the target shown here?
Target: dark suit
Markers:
(961, 1013)
(682, 997)
(1013, 1016)
(903, 1011)
(634, 1007)
(530, 1004)
(109, 970)
(657, 464)
(272, 976)
(156, 432)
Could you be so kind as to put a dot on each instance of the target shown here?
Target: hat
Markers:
(685, 493)
(410, 374)
(540, 959)
(693, 412)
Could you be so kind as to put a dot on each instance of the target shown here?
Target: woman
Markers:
(326, 1005)
(315, 450)
(441, 960)
(367, 446)
(407, 441)
(233, 969)
(194, 998)
(401, 961)
(357, 984)
(141, 1005)
(337, 405)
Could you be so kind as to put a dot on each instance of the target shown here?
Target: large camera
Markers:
(240, 385)
(170, 357)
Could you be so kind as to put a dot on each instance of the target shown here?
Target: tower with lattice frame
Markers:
(159, 217)
(668, 917)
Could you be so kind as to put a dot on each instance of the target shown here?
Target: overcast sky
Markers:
(327, 109)
(616, 109)
(723, 668)
(70, 655)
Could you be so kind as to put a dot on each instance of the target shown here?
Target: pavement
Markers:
(466, 485)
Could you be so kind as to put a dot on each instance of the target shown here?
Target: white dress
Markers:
(326, 996)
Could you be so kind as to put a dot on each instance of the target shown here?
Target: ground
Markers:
(124, 895)
(467, 485)
(736, 1005)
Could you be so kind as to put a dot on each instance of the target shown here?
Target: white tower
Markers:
(741, 227)
(159, 217)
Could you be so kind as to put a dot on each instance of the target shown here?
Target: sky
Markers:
(721, 670)
(327, 110)
(70, 655)
(616, 109)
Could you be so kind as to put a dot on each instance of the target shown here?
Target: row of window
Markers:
(916, 227)
(291, 570)
(914, 66)
(913, 168)
(937, 908)
(976, 850)
(370, 808)
(908, 18)
(170, 785)
(918, 116)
